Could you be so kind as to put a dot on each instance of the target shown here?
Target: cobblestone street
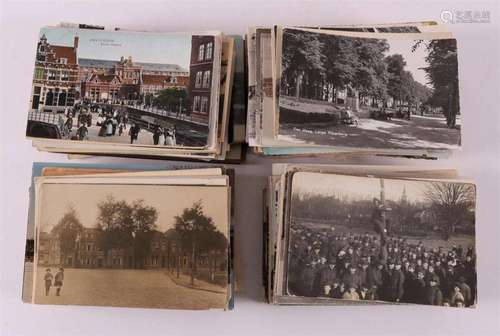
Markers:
(133, 288)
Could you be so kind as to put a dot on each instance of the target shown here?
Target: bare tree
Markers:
(451, 202)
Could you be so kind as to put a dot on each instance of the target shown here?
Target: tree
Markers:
(171, 99)
(124, 226)
(67, 231)
(451, 202)
(442, 73)
(302, 59)
(144, 222)
(197, 234)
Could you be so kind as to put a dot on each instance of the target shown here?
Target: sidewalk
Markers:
(185, 281)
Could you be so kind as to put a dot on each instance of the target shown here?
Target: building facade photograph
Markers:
(163, 252)
(125, 79)
(55, 80)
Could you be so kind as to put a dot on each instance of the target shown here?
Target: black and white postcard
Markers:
(369, 91)
(381, 239)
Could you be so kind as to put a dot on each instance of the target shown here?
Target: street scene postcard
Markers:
(161, 242)
(119, 87)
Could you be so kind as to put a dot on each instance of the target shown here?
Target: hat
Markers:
(434, 278)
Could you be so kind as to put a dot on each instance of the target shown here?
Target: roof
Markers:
(108, 64)
(103, 78)
(65, 52)
(155, 79)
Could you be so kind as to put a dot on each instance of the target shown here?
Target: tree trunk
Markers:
(193, 263)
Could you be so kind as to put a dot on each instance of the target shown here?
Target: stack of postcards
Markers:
(383, 89)
(130, 236)
(369, 234)
(140, 94)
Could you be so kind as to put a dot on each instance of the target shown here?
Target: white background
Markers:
(479, 159)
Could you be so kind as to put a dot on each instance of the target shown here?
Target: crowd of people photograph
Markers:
(359, 267)
(109, 121)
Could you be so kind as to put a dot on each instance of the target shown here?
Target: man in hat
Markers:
(352, 277)
(337, 290)
(466, 291)
(470, 274)
(328, 275)
(375, 277)
(58, 281)
(433, 295)
(306, 287)
(48, 280)
(395, 286)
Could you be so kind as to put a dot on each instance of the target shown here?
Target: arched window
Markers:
(62, 99)
(49, 98)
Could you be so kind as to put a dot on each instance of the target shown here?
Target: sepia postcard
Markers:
(122, 239)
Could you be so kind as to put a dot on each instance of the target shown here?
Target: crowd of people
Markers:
(368, 266)
(111, 122)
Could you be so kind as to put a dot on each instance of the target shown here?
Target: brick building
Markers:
(103, 80)
(200, 72)
(55, 79)
(163, 253)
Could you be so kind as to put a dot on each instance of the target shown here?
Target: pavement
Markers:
(418, 132)
(125, 288)
(185, 280)
(145, 137)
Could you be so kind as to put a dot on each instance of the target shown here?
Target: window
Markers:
(52, 75)
(201, 53)
(208, 53)
(62, 99)
(204, 105)
(63, 60)
(49, 98)
(39, 73)
(36, 98)
(198, 80)
(173, 80)
(206, 79)
(196, 104)
(64, 76)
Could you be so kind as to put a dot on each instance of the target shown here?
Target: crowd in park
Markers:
(323, 263)
(348, 266)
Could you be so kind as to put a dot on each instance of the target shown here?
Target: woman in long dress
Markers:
(109, 127)
(169, 139)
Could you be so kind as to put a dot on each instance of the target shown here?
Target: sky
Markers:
(356, 187)
(110, 45)
(168, 200)
(414, 60)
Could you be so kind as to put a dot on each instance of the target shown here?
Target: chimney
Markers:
(75, 42)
